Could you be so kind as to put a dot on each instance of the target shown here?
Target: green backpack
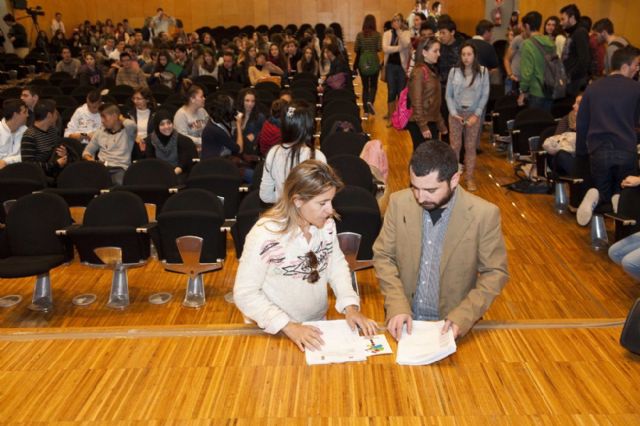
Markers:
(368, 64)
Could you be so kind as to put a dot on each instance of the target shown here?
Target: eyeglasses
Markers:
(314, 275)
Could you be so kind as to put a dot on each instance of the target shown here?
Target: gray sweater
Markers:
(114, 148)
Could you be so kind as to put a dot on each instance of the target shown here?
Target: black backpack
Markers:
(554, 83)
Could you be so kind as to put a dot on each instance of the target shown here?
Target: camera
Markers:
(35, 11)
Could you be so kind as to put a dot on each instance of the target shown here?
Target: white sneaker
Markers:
(585, 210)
(614, 202)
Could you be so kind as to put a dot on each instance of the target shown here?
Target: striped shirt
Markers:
(426, 300)
(38, 147)
(371, 43)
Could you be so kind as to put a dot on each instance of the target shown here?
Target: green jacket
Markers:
(532, 65)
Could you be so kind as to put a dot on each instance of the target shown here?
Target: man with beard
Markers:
(440, 254)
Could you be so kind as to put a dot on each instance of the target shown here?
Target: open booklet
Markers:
(341, 344)
(426, 344)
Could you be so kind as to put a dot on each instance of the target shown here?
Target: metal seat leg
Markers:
(599, 239)
(561, 201)
(42, 300)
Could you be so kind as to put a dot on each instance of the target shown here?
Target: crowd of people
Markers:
(292, 253)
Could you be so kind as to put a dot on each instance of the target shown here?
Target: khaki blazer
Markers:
(473, 266)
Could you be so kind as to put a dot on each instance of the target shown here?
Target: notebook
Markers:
(426, 344)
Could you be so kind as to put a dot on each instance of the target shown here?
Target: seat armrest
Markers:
(64, 232)
(570, 179)
(144, 229)
(625, 221)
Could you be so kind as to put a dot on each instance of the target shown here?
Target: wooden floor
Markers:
(156, 364)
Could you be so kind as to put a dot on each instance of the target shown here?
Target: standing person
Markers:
(191, 118)
(440, 253)
(555, 32)
(161, 22)
(426, 121)
(421, 8)
(532, 64)
(12, 127)
(396, 45)
(512, 60)
(297, 124)
(17, 35)
(487, 56)
(367, 47)
(604, 30)
(576, 55)
(467, 95)
(57, 24)
(113, 143)
(449, 57)
(606, 130)
(290, 255)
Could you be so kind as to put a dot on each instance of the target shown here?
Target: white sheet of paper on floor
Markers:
(426, 344)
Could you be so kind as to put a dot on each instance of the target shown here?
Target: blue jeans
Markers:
(609, 167)
(626, 252)
(396, 81)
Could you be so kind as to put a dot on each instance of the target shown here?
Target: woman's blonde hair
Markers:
(304, 182)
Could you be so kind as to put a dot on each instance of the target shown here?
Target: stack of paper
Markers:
(341, 344)
(426, 344)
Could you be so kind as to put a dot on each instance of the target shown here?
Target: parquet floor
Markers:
(167, 364)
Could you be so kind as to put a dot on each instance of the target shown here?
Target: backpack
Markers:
(554, 83)
(402, 114)
(368, 63)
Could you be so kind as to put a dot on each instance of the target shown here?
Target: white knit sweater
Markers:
(271, 285)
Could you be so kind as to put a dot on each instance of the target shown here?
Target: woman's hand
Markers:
(472, 120)
(251, 137)
(458, 117)
(304, 336)
(630, 181)
(356, 319)
(426, 134)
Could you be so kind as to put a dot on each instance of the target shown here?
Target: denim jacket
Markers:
(456, 84)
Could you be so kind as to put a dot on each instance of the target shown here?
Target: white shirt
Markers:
(276, 169)
(10, 143)
(57, 25)
(83, 121)
(191, 125)
(271, 284)
(142, 120)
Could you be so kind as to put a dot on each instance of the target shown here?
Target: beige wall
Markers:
(197, 13)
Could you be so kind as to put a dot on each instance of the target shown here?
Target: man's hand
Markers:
(450, 324)
(521, 99)
(426, 134)
(396, 323)
(630, 181)
(355, 318)
(304, 336)
(3, 164)
(459, 118)
(472, 120)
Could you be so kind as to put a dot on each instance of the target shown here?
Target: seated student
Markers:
(308, 63)
(12, 127)
(297, 125)
(339, 76)
(165, 143)
(252, 121)
(90, 74)
(191, 118)
(206, 65)
(142, 113)
(128, 74)
(112, 144)
(41, 143)
(440, 254)
(229, 71)
(68, 64)
(86, 119)
(289, 256)
(626, 252)
(561, 147)
(271, 135)
(30, 96)
(263, 70)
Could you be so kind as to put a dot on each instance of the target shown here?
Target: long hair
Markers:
(310, 66)
(240, 103)
(475, 65)
(369, 25)
(304, 182)
(146, 93)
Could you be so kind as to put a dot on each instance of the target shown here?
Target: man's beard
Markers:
(435, 206)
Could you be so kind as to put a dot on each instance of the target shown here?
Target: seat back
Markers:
(340, 106)
(191, 212)
(528, 123)
(248, 214)
(116, 209)
(84, 174)
(628, 207)
(19, 179)
(32, 233)
(353, 171)
(359, 213)
(344, 143)
(150, 171)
